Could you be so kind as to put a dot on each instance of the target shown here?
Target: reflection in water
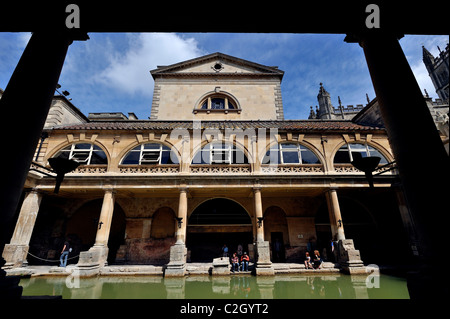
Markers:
(336, 286)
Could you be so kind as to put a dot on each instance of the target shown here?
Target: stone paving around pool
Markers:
(150, 270)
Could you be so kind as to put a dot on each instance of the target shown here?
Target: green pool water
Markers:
(328, 286)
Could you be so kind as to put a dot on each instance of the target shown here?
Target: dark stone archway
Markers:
(214, 223)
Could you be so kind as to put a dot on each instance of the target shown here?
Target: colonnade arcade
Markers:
(139, 225)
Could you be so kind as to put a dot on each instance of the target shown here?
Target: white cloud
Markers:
(129, 72)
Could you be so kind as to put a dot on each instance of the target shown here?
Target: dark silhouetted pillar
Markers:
(25, 105)
(422, 161)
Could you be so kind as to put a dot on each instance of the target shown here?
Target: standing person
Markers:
(244, 261)
(64, 254)
(224, 251)
(235, 262)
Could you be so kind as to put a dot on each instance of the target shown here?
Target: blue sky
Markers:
(110, 72)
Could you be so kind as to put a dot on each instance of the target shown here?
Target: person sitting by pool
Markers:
(317, 260)
(235, 262)
(308, 261)
(244, 261)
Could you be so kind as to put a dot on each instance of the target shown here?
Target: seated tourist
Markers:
(235, 262)
(317, 260)
(244, 261)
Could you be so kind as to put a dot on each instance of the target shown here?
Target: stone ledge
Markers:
(132, 270)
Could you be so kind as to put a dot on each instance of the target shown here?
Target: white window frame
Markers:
(155, 151)
(74, 151)
(357, 149)
(298, 149)
(225, 149)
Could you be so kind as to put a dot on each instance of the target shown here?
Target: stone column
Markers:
(15, 253)
(346, 254)
(334, 211)
(258, 214)
(263, 263)
(182, 213)
(178, 252)
(37, 74)
(403, 107)
(106, 215)
(96, 257)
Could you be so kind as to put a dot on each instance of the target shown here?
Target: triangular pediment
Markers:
(217, 64)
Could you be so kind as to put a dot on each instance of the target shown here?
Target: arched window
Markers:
(220, 153)
(290, 153)
(347, 151)
(150, 154)
(84, 153)
(217, 102)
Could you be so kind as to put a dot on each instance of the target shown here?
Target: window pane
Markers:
(197, 158)
(220, 156)
(98, 158)
(272, 156)
(230, 105)
(374, 152)
(342, 156)
(217, 104)
(289, 146)
(205, 105)
(132, 158)
(81, 157)
(239, 157)
(358, 148)
(150, 157)
(290, 157)
(356, 155)
(152, 146)
(82, 146)
(308, 157)
(165, 158)
(63, 154)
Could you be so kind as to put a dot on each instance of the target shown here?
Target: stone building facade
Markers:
(215, 164)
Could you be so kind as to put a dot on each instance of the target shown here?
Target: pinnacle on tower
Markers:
(325, 106)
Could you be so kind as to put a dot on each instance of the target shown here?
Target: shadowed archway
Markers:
(214, 223)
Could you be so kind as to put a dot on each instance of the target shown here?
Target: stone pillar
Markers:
(263, 264)
(182, 213)
(347, 256)
(15, 253)
(178, 252)
(96, 257)
(106, 215)
(37, 74)
(258, 214)
(408, 222)
(402, 108)
(334, 211)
